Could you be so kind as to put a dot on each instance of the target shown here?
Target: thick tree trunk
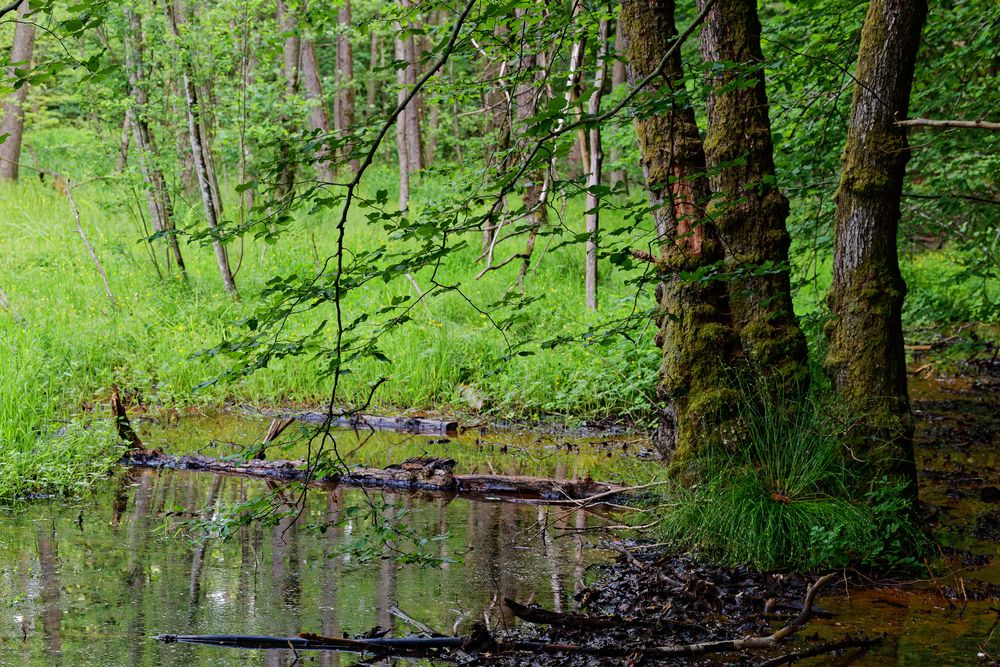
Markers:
(13, 109)
(696, 334)
(345, 72)
(619, 78)
(157, 195)
(596, 154)
(866, 357)
(201, 163)
(319, 119)
(748, 208)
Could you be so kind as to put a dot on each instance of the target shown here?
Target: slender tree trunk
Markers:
(198, 153)
(345, 71)
(748, 208)
(596, 153)
(866, 356)
(13, 109)
(498, 104)
(696, 334)
(414, 140)
(526, 100)
(618, 80)
(157, 195)
(402, 121)
(319, 119)
(291, 53)
(373, 54)
(122, 160)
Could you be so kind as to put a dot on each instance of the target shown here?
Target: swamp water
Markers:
(90, 582)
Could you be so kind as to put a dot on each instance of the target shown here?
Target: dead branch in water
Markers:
(124, 426)
(430, 474)
(480, 639)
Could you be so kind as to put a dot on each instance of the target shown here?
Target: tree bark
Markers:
(414, 139)
(291, 53)
(319, 119)
(696, 336)
(157, 195)
(619, 78)
(596, 154)
(402, 121)
(345, 72)
(13, 109)
(126, 136)
(527, 95)
(866, 355)
(198, 154)
(748, 208)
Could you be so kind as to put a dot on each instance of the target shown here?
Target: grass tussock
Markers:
(785, 498)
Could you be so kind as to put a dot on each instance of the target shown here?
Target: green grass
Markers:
(66, 343)
(785, 498)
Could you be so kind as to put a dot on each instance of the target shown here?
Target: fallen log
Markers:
(417, 474)
(379, 423)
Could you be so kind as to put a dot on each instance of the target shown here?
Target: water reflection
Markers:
(88, 583)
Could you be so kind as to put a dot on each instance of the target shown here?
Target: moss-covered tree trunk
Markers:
(865, 357)
(748, 208)
(696, 335)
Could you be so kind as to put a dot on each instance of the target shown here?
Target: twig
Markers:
(422, 627)
(90, 248)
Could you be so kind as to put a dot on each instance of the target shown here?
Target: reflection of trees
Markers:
(51, 597)
(331, 573)
(138, 538)
(286, 569)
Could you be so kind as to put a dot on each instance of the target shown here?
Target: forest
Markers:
(502, 332)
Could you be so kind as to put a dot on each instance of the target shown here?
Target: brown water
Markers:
(89, 582)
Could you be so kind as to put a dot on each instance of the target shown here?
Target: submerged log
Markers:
(375, 422)
(430, 474)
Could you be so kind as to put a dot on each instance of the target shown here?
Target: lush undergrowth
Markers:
(785, 498)
(64, 343)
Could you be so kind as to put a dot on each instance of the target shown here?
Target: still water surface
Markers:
(89, 582)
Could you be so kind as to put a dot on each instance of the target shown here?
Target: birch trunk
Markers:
(201, 164)
(866, 355)
(157, 195)
(596, 153)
